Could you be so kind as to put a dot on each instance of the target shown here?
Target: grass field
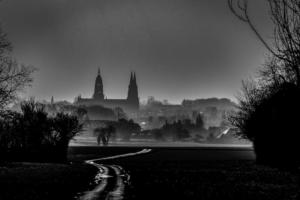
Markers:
(208, 180)
(164, 173)
(201, 173)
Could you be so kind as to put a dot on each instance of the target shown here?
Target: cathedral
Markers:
(130, 105)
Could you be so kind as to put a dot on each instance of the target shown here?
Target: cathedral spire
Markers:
(133, 96)
(98, 92)
(131, 77)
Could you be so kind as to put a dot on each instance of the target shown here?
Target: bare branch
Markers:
(13, 77)
(285, 15)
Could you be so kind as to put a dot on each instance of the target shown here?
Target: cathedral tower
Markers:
(98, 92)
(133, 96)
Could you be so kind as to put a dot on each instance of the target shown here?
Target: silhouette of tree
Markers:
(285, 15)
(103, 134)
(13, 77)
(177, 130)
(199, 122)
(64, 128)
(269, 106)
(10, 139)
(33, 135)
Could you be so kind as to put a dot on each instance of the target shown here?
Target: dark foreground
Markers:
(43, 181)
(196, 173)
(164, 173)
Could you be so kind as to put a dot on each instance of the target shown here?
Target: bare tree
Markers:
(269, 105)
(13, 77)
(285, 15)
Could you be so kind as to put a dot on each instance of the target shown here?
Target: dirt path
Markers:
(110, 180)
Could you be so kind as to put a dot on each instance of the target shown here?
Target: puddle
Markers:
(110, 181)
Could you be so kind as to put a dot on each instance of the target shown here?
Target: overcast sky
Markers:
(180, 49)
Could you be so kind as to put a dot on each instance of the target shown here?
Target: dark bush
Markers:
(64, 128)
(32, 135)
(268, 115)
(269, 118)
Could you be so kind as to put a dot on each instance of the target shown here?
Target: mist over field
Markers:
(149, 99)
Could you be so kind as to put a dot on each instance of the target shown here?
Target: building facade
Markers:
(130, 105)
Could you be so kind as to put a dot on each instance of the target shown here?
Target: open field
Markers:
(164, 173)
(198, 173)
(181, 153)
(92, 141)
(207, 180)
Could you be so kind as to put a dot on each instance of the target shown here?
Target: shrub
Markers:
(269, 118)
(64, 128)
(32, 135)
(268, 114)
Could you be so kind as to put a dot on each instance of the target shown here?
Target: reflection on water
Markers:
(111, 180)
(118, 190)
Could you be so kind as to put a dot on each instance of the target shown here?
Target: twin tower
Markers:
(129, 105)
(132, 88)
